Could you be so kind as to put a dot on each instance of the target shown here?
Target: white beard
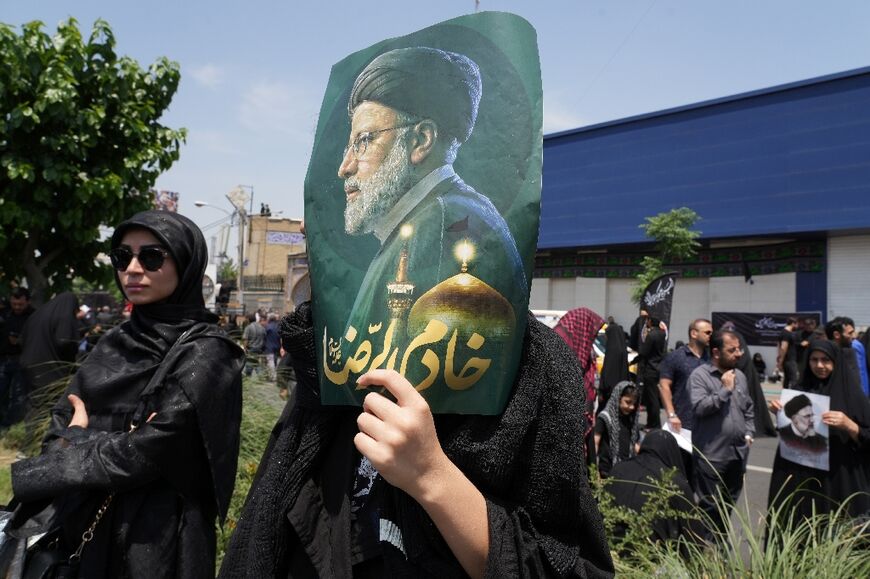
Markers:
(379, 192)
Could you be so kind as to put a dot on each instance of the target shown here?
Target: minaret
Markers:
(400, 290)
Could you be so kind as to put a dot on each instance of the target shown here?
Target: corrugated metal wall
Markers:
(849, 278)
(794, 159)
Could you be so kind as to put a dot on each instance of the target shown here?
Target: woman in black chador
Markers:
(151, 419)
(848, 421)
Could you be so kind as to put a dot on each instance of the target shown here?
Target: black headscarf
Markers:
(763, 423)
(615, 368)
(630, 481)
(49, 341)
(849, 470)
(185, 243)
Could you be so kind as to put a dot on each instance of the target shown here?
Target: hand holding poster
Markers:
(803, 437)
(422, 208)
(658, 298)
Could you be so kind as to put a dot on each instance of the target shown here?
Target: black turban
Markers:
(424, 82)
(794, 405)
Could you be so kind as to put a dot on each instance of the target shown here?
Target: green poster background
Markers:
(501, 159)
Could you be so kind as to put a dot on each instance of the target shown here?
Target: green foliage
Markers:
(228, 272)
(675, 240)
(80, 137)
(673, 233)
(822, 546)
(261, 409)
(5, 485)
(628, 532)
(103, 284)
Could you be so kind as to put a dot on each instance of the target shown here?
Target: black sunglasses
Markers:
(151, 257)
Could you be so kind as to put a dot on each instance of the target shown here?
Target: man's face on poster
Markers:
(802, 421)
(376, 166)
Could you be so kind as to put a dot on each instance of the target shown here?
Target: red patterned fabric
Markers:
(578, 328)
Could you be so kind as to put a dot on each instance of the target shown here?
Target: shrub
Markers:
(822, 546)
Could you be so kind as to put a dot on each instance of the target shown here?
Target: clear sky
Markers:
(254, 72)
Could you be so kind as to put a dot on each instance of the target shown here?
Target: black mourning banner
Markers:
(761, 329)
(658, 298)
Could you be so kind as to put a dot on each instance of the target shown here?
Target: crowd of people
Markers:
(140, 458)
(109, 433)
(709, 390)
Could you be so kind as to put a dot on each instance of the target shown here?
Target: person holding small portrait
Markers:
(801, 432)
(800, 491)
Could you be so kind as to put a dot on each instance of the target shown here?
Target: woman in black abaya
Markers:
(633, 480)
(849, 442)
(151, 419)
(49, 342)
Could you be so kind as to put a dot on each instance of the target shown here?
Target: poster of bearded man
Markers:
(422, 205)
(803, 437)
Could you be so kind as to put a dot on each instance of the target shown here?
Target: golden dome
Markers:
(466, 303)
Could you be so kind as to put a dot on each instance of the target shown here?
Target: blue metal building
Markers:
(780, 178)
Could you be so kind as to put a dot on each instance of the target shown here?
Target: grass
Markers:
(822, 546)
(261, 409)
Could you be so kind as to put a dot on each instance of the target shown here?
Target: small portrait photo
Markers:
(803, 437)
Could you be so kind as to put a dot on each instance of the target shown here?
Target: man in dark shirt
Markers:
(786, 357)
(11, 388)
(652, 351)
(674, 372)
(272, 345)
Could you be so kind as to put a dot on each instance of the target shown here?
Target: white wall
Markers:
(849, 278)
(619, 304)
(693, 298)
(769, 293)
(772, 293)
(568, 293)
(540, 294)
(691, 301)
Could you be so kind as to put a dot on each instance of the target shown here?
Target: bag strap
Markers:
(155, 383)
(88, 535)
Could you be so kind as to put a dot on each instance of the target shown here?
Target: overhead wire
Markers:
(615, 53)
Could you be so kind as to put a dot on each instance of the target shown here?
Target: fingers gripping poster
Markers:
(422, 204)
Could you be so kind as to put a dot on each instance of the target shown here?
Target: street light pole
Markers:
(237, 197)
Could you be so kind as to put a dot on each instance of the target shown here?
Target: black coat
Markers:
(631, 479)
(49, 342)
(849, 470)
(527, 462)
(174, 475)
(615, 368)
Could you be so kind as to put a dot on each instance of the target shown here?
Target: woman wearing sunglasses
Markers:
(142, 448)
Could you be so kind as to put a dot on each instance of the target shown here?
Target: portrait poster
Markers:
(803, 437)
(422, 205)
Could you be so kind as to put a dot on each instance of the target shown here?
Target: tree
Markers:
(675, 239)
(80, 146)
(228, 273)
